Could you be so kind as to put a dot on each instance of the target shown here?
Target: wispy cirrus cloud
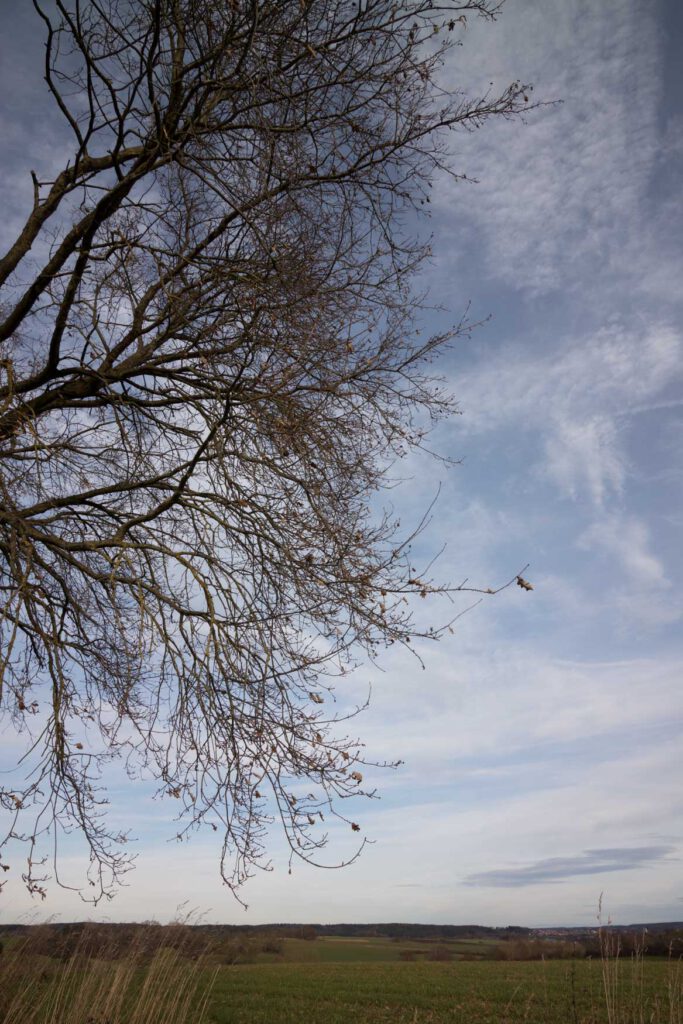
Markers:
(574, 416)
(640, 590)
(577, 399)
(564, 200)
(627, 540)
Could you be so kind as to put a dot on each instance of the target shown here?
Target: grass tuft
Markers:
(158, 979)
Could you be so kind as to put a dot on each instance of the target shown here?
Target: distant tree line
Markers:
(227, 944)
(605, 943)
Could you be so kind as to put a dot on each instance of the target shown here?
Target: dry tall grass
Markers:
(626, 999)
(158, 979)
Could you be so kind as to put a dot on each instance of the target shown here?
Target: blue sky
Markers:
(542, 741)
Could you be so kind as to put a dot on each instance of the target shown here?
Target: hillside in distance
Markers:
(393, 930)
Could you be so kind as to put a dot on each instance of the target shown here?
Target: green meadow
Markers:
(330, 980)
(340, 949)
(356, 981)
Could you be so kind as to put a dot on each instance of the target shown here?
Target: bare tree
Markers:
(208, 362)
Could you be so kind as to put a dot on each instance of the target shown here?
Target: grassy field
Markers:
(338, 949)
(331, 980)
(434, 993)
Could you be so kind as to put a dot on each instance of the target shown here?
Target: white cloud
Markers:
(560, 199)
(629, 542)
(607, 371)
(576, 398)
(585, 453)
(626, 589)
(512, 757)
(510, 707)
